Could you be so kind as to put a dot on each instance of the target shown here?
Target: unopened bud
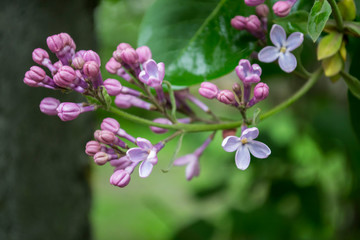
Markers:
(68, 111)
(239, 22)
(78, 62)
(144, 53)
(228, 132)
(49, 105)
(36, 74)
(253, 3)
(262, 10)
(65, 76)
(105, 136)
(261, 91)
(253, 24)
(282, 8)
(55, 43)
(129, 56)
(112, 66)
(39, 54)
(100, 158)
(92, 56)
(112, 86)
(120, 178)
(226, 96)
(92, 147)
(91, 69)
(159, 130)
(208, 90)
(111, 125)
(123, 46)
(67, 40)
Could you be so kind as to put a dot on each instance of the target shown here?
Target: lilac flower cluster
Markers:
(242, 100)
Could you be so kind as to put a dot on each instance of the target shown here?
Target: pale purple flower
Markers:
(244, 145)
(248, 73)
(145, 152)
(282, 49)
(153, 74)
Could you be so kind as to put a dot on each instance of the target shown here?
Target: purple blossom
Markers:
(248, 73)
(145, 152)
(283, 46)
(244, 145)
(153, 74)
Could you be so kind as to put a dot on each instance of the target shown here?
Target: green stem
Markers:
(337, 15)
(223, 125)
(312, 80)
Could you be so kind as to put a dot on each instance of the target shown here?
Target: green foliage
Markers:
(354, 104)
(329, 45)
(195, 39)
(295, 22)
(347, 9)
(318, 17)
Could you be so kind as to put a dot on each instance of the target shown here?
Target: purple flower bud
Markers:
(144, 53)
(36, 74)
(261, 91)
(68, 111)
(120, 163)
(55, 43)
(117, 55)
(262, 10)
(129, 56)
(208, 90)
(49, 105)
(123, 46)
(253, 24)
(67, 40)
(65, 76)
(38, 55)
(92, 147)
(100, 158)
(158, 130)
(112, 66)
(111, 125)
(78, 62)
(58, 64)
(105, 136)
(30, 82)
(91, 69)
(127, 101)
(112, 86)
(282, 8)
(239, 22)
(92, 56)
(80, 53)
(237, 89)
(226, 96)
(253, 3)
(120, 178)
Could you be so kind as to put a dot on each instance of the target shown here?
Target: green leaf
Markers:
(332, 65)
(318, 17)
(354, 106)
(92, 100)
(107, 97)
(347, 9)
(296, 22)
(352, 28)
(329, 45)
(194, 38)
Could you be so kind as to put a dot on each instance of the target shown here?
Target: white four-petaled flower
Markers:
(244, 145)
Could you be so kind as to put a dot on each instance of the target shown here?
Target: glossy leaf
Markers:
(296, 22)
(329, 45)
(318, 17)
(195, 39)
(347, 9)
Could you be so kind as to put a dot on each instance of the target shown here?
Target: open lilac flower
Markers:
(244, 145)
(282, 49)
(145, 152)
(153, 74)
(192, 165)
(248, 73)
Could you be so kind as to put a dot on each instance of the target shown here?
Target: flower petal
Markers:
(294, 41)
(287, 62)
(137, 154)
(250, 133)
(184, 160)
(143, 143)
(231, 143)
(242, 158)
(151, 68)
(144, 77)
(278, 35)
(258, 149)
(268, 54)
(192, 170)
(161, 69)
(256, 69)
(145, 169)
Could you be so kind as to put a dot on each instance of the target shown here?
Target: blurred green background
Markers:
(307, 189)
